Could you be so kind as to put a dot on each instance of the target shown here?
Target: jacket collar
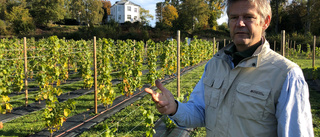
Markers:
(253, 61)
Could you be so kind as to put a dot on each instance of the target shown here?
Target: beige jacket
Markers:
(241, 102)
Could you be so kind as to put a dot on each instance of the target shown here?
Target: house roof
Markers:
(125, 2)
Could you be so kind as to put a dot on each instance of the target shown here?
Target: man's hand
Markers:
(164, 101)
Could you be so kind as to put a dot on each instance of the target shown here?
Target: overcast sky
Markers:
(151, 6)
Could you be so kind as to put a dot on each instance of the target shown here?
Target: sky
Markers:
(151, 6)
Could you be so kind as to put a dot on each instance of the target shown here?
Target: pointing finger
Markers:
(155, 95)
(161, 87)
(150, 91)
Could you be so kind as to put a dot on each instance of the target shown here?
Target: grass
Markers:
(33, 122)
(315, 110)
(130, 117)
(19, 100)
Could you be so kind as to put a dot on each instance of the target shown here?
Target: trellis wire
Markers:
(124, 118)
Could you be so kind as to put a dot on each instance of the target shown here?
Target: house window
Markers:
(129, 17)
(129, 8)
(119, 18)
(135, 17)
(135, 9)
(119, 8)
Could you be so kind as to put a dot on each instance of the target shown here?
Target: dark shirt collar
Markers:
(238, 56)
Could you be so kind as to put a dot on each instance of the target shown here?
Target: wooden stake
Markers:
(283, 42)
(95, 76)
(25, 69)
(314, 52)
(178, 63)
(274, 45)
(214, 45)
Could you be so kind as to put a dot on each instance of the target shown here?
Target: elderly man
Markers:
(247, 90)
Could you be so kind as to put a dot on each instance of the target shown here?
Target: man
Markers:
(247, 90)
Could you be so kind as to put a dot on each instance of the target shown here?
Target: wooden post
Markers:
(314, 52)
(95, 76)
(224, 42)
(274, 45)
(214, 45)
(294, 45)
(218, 46)
(25, 69)
(178, 63)
(283, 42)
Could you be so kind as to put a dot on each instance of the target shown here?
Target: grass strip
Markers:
(125, 120)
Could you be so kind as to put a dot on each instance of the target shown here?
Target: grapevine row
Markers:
(58, 56)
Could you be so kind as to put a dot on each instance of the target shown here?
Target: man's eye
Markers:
(233, 17)
(249, 17)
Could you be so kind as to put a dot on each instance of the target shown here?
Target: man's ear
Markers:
(266, 22)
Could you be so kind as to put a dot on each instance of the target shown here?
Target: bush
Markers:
(3, 27)
(68, 22)
(21, 20)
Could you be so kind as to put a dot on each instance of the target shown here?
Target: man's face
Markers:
(245, 24)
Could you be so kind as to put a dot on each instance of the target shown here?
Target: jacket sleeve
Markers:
(192, 113)
(293, 109)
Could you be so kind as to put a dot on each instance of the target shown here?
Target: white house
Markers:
(125, 10)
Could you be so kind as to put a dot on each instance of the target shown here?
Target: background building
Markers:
(125, 10)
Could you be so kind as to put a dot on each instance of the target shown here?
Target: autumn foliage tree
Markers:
(215, 12)
(170, 14)
(106, 8)
(191, 14)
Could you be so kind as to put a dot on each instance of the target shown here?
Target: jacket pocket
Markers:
(250, 101)
(212, 87)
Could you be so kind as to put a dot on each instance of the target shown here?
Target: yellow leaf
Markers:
(6, 98)
(1, 125)
(45, 96)
(8, 107)
(58, 82)
(62, 120)
(66, 112)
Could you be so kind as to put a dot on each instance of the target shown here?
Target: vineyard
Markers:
(45, 83)
(58, 87)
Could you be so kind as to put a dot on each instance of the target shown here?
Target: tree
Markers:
(47, 11)
(94, 12)
(292, 18)
(277, 6)
(67, 6)
(106, 8)
(215, 12)
(89, 11)
(20, 19)
(169, 14)
(175, 3)
(78, 10)
(159, 11)
(193, 14)
(3, 5)
(315, 17)
(144, 15)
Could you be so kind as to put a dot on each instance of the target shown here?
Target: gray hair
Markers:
(263, 6)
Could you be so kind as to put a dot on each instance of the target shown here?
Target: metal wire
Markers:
(124, 118)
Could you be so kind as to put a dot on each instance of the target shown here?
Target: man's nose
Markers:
(240, 22)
